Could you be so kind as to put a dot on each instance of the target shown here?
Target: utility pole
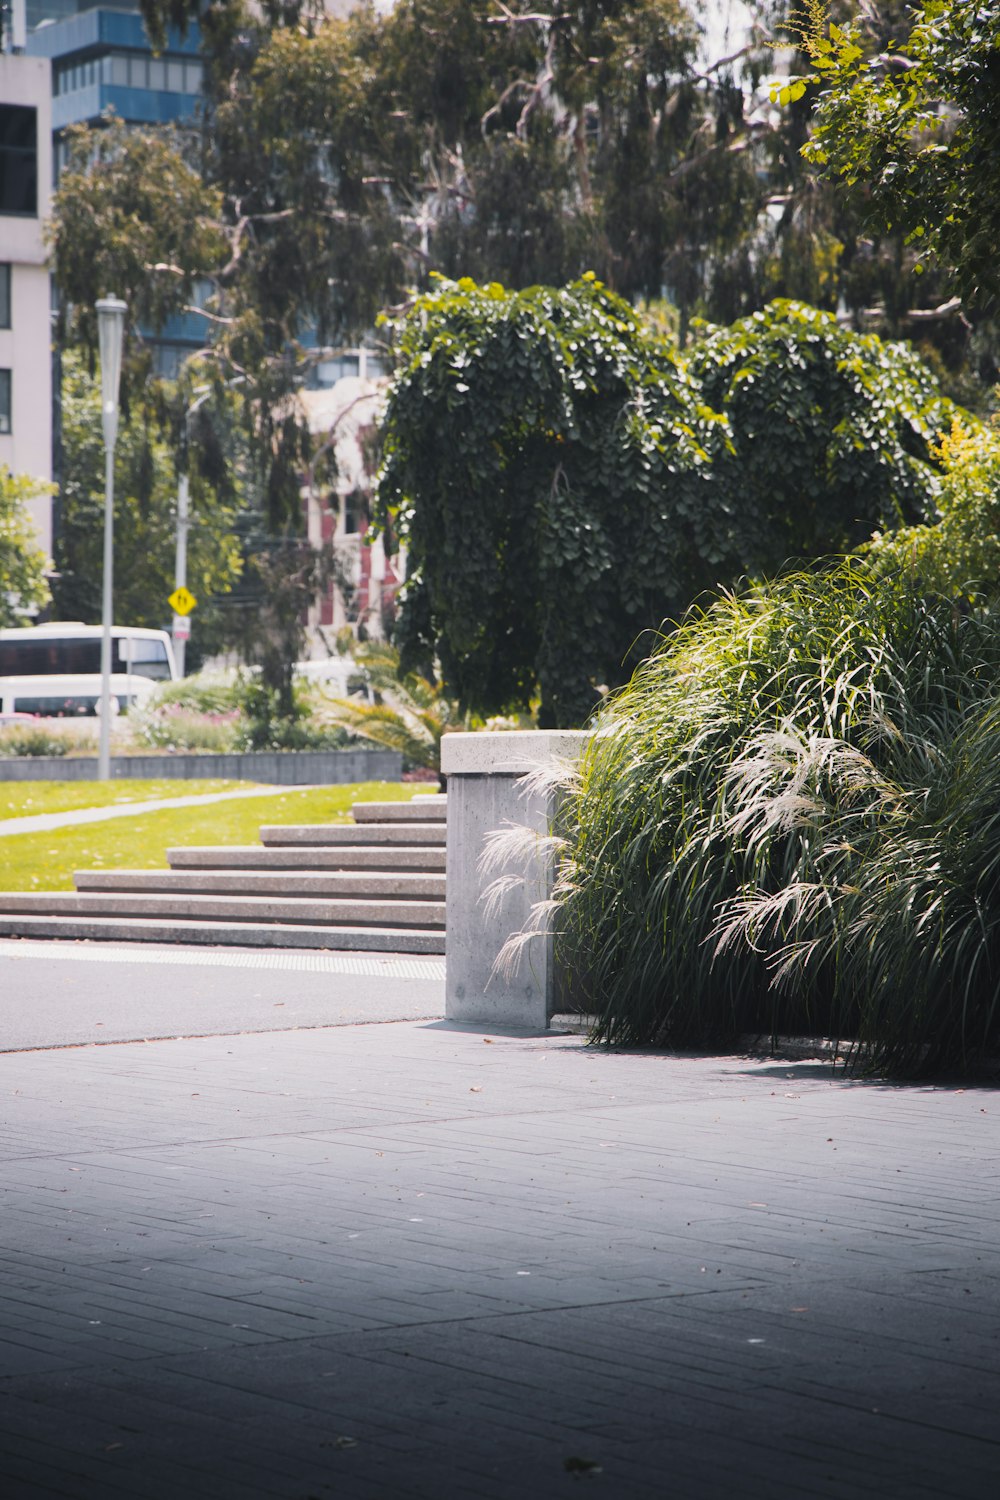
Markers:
(182, 623)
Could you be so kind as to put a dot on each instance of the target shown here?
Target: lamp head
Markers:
(110, 332)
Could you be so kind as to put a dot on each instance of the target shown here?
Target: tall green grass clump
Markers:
(789, 823)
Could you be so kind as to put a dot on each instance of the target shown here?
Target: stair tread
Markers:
(426, 806)
(354, 834)
(392, 885)
(425, 859)
(374, 911)
(223, 934)
(376, 884)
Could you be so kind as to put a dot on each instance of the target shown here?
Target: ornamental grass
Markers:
(788, 823)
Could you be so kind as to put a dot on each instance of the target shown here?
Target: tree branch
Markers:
(509, 91)
(532, 19)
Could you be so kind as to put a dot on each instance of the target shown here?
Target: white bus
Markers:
(55, 670)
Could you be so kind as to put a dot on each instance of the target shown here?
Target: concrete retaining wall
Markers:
(272, 767)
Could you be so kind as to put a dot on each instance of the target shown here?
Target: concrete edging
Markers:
(272, 767)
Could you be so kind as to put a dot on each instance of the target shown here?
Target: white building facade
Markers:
(25, 299)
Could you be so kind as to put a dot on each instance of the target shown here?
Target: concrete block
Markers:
(487, 791)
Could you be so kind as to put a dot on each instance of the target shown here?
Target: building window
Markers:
(355, 513)
(5, 424)
(18, 159)
(4, 294)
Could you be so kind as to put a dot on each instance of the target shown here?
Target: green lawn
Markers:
(46, 861)
(24, 798)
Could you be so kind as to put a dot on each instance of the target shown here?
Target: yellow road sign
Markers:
(182, 601)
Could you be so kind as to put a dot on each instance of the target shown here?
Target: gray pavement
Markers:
(61, 994)
(370, 1262)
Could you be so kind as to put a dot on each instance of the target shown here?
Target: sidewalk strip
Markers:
(43, 822)
(372, 966)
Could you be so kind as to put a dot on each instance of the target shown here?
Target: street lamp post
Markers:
(110, 328)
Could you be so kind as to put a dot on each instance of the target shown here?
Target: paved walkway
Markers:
(42, 822)
(65, 994)
(380, 1262)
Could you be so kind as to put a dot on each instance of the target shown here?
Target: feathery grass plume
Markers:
(523, 855)
(790, 823)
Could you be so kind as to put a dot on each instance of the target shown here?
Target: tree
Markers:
(23, 565)
(565, 482)
(283, 578)
(145, 513)
(131, 216)
(517, 143)
(917, 127)
(544, 459)
(832, 434)
(523, 143)
(513, 141)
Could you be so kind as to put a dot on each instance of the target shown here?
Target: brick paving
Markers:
(370, 1262)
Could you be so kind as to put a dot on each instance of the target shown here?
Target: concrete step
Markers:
(251, 909)
(375, 884)
(427, 858)
(223, 934)
(380, 886)
(427, 808)
(358, 835)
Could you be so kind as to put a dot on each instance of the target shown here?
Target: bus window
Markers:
(71, 707)
(44, 651)
(145, 657)
(49, 657)
(54, 708)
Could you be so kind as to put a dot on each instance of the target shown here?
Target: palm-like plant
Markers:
(410, 713)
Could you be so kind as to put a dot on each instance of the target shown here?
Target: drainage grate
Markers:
(388, 967)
